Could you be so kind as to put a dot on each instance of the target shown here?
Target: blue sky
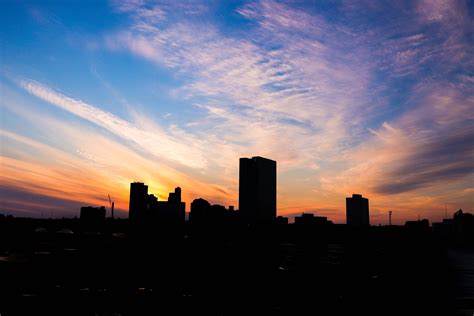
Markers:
(371, 97)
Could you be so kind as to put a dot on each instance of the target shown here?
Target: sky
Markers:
(368, 97)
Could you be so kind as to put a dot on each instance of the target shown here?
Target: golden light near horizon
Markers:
(173, 97)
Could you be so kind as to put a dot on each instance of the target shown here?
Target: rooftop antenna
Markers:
(389, 218)
(112, 204)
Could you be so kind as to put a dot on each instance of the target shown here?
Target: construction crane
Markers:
(112, 204)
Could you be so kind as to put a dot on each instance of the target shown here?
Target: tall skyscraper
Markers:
(257, 189)
(357, 210)
(138, 201)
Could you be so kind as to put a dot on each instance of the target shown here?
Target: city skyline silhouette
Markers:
(249, 157)
(141, 201)
(232, 261)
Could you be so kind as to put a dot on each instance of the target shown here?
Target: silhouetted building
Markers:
(459, 229)
(445, 228)
(199, 210)
(310, 219)
(464, 226)
(257, 189)
(138, 201)
(167, 212)
(282, 220)
(202, 212)
(423, 224)
(357, 210)
(218, 213)
(92, 217)
(152, 203)
(175, 197)
(146, 208)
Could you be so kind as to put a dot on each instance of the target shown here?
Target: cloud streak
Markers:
(157, 142)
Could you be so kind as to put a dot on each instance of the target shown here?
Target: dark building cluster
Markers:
(203, 213)
(226, 261)
(92, 218)
(459, 229)
(257, 205)
(145, 208)
(311, 219)
(257, 202)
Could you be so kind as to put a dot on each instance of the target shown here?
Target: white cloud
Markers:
(295, 103)
(159, 143)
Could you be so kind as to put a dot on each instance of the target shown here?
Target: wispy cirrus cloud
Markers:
(253, 93)
(438, 142)
(155, 142)
(418, 155)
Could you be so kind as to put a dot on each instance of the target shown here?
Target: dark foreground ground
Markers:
(230, 270)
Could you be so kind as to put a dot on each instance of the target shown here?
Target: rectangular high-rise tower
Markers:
(257, 189)
(138, 201)
(357, 210)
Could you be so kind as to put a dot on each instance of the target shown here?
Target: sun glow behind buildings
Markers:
(98, 96)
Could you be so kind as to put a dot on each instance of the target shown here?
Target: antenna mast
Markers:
(112, 204)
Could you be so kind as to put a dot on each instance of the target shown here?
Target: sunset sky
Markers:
(366, 97)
